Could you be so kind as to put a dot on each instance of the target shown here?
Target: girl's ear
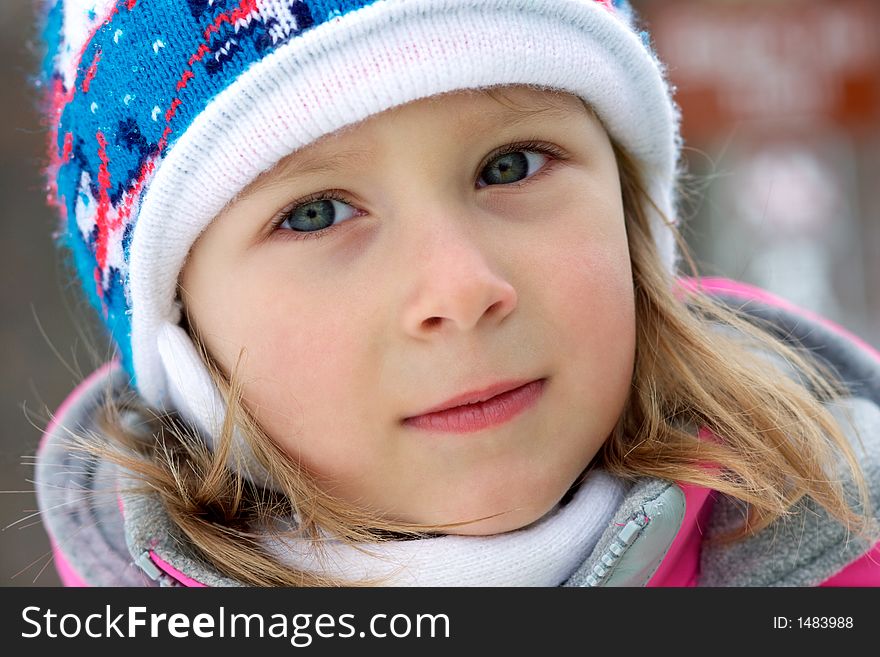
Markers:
(195, 396)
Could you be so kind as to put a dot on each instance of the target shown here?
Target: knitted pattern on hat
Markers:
(163, 110)
(129, 76)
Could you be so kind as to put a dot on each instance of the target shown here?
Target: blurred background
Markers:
(781, 106)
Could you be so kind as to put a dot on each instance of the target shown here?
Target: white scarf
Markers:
(544, 553)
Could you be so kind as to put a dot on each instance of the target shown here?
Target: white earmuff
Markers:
(194, 395)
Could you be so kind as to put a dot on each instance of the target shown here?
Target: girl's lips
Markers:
(470, 417)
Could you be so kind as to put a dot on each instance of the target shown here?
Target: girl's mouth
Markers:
(493, 409)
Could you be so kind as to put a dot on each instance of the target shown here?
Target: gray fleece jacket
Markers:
(104, 537)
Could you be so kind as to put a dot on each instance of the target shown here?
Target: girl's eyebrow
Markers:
(288, 167)
(336, 161)
(333, 162)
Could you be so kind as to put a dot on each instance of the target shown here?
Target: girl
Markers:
(394, 289)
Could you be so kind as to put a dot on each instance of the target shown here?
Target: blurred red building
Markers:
(781, 119)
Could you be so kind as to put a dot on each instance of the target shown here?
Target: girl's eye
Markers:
(317, 215)
(512, 167)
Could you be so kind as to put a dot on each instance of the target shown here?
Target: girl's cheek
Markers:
(594, 295)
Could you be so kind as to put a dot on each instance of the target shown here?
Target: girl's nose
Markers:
(455, 288)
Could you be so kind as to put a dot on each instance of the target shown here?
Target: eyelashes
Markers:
(319, 207)
(316, 215)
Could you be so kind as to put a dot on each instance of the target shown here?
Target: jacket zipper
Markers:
(146, 564)
(625, 538)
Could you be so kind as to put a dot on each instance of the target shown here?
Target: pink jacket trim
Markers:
(74, 396)
(68, 576)
(863, 572)
(680, 567)
(745, 291)
(173, 572)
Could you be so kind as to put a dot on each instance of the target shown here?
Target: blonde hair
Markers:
(706, 407)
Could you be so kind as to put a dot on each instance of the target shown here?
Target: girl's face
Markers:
(442, 251)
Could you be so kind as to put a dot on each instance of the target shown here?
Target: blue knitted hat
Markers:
(163, 110)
